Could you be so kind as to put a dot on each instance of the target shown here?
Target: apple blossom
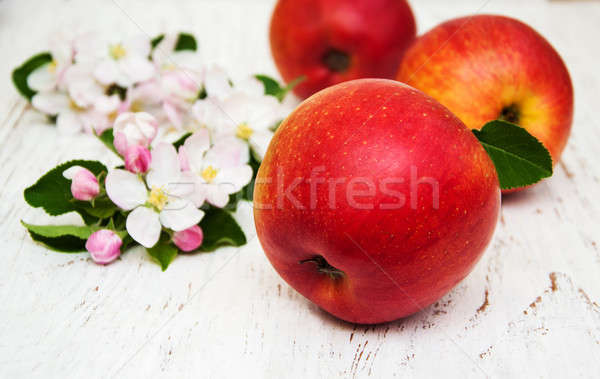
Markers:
(249, 118)
(70, 117)
(166, 204)
(218, 84)
(126, 63)
(104, 246)
(137, 159)
(189, 239)
(84, 184)
(137, 128)
(217, 171)
(49, 76)
(167, 58)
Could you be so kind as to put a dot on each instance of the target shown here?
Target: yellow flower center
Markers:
(117, 51)
(244, 131)
(73, 105)
(52, 66)
(158, 198)
(209, 173)
(136, 106)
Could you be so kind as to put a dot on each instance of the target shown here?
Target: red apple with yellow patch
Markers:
(374, 200)
(331, 41)
(493, 67)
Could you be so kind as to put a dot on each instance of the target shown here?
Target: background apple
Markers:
(331, 41)
(373, 200)
(488, 67)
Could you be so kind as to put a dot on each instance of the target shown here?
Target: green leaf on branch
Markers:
(156, 40)
(220, 229)
(61, 238)
(101, 208)
(52, 192)
(163, 253)
(186, 42)
(181, 140)
(274, 88)
(520, 159)
(108, 139)
(21, 73)
(118, 90)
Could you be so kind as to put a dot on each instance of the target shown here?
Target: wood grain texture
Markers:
(529, 309)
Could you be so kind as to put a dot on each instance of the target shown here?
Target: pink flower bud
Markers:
(137, 159)
(189, 239)
(84, 184)
(134, 129)
(104, 246)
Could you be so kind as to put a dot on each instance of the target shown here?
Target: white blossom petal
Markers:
(250, 86)
(259, 142)
(43, 78)
(135, 69)
(71, 171)
(51, 103)
(216, 196)
(125, 189)
(216, 83)
(107, 72)
(180, 214)
(164, 169)
(228, 152)
(233, 179)
(143, 225)
(195, 146)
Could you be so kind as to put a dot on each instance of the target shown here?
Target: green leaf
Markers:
(21, 73)
(181, 140)
(156, 40)
(108, 139)
(520, 159)
(220, 229)
(274, 88)
(62, 238)
(52, 192)
(163, 253)
(186, 42)
(102, 207)
(117, 89)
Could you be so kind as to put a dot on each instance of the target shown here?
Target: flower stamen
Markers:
(158, 198)
(244, 131)
(117, 51)
(52, 66)
(209, 174)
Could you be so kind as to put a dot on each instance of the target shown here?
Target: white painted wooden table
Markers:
(529, 309)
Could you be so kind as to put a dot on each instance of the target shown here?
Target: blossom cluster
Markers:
(187, 134)
(89, 82)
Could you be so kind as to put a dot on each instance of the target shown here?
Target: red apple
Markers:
(373, 200)
(331, 41)
(488, 67)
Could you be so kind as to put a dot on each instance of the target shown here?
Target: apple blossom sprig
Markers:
(83, 84)
(169, 197)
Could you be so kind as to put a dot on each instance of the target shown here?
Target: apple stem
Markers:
(510, 113)
(324, 267)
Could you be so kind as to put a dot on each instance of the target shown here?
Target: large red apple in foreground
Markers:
(373, 200)
(493, 67)
(331, 41)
